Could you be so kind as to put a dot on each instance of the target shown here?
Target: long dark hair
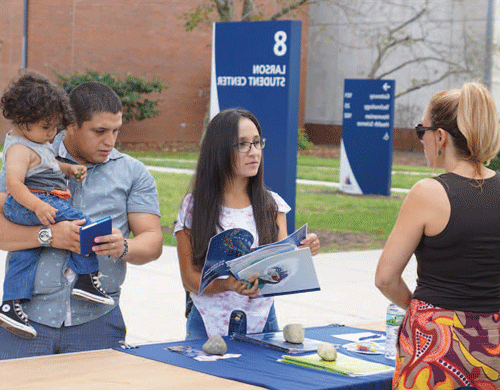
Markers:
(214, 169)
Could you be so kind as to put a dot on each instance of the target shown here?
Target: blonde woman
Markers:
(450, 335)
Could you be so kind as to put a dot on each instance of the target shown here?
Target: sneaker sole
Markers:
(16, 328)
(92, 298)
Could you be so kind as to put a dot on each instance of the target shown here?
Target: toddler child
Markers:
(37, 193)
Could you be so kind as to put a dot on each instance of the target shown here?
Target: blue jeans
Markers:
(21, 270)
(195, 328)
(102, 333)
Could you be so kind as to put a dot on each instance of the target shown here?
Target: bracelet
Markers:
(125, 249)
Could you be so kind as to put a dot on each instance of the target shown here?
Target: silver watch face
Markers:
(45, 236)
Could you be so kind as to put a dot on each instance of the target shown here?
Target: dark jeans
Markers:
(20, 274)
(102, 333)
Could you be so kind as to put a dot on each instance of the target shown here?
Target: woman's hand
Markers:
(312, 242)
(249, 288)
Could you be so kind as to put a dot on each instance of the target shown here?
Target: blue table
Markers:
(259, 366)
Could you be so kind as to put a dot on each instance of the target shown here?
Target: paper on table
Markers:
(200, 355)
(357, 336)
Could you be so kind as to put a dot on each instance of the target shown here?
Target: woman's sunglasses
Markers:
(421, 131)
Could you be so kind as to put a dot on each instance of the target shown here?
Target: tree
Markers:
(130, 91)
(225, 10)
(404, 35)
(410, 42)
(397, 44)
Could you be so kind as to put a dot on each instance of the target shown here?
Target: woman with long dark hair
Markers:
(228, 191)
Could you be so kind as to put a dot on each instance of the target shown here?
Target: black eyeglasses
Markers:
(244, 147)
(422, 129)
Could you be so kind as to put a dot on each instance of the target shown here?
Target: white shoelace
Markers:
(97, 281)
(19, 311)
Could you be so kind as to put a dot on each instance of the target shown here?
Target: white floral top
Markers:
(216, 309)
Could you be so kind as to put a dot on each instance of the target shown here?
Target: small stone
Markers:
(327, 351)
(215, 345)
(294, 333)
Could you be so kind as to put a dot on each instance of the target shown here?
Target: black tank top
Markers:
(459, 269)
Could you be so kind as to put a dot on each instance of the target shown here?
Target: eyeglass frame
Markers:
(261, 141)
(420, 130)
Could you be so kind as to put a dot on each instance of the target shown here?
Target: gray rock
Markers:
(294, 333)
(215, 345)
(327, 351)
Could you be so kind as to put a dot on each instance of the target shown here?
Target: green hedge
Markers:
(130, 91)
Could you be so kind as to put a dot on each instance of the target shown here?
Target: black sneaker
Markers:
(88, 287)
(13, 319)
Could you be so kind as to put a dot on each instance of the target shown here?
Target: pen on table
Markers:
(375, 336)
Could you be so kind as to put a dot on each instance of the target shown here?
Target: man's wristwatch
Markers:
(45, 236)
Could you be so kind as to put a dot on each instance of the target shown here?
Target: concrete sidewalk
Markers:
(153, 298)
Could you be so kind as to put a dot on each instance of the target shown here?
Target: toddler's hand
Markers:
(45, 213)
(79, 172)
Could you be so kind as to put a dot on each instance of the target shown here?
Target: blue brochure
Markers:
(231, 245)
(90, 232)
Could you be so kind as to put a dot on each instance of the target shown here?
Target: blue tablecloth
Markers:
(259, 366)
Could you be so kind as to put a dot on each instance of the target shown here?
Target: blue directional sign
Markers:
(367, 135)
(256, 66)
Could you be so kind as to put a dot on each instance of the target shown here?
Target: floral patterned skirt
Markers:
(445, 349)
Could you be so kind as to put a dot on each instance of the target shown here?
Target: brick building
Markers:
(143, 37)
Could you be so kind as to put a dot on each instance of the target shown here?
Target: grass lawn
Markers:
(327, 212)
(171, 190)
(310, 168)
(333, 210)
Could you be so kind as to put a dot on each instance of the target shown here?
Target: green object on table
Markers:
(345, 365)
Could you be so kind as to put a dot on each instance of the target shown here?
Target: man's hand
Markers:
(66, 235)
(113, 244)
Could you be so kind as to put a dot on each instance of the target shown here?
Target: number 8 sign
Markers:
(280, 46)
(256, 66)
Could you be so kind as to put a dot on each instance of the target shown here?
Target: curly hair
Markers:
(33, 98)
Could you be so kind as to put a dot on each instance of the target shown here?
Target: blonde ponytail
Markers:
(477, 120)
(471, 116)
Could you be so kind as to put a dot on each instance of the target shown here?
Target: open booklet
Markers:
(282, 267)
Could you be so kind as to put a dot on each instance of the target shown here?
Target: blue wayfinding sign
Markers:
(256, 66)
(367, 134)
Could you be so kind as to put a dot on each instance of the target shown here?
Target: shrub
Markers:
(303, 140)
(495, 163)
(130, 91)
